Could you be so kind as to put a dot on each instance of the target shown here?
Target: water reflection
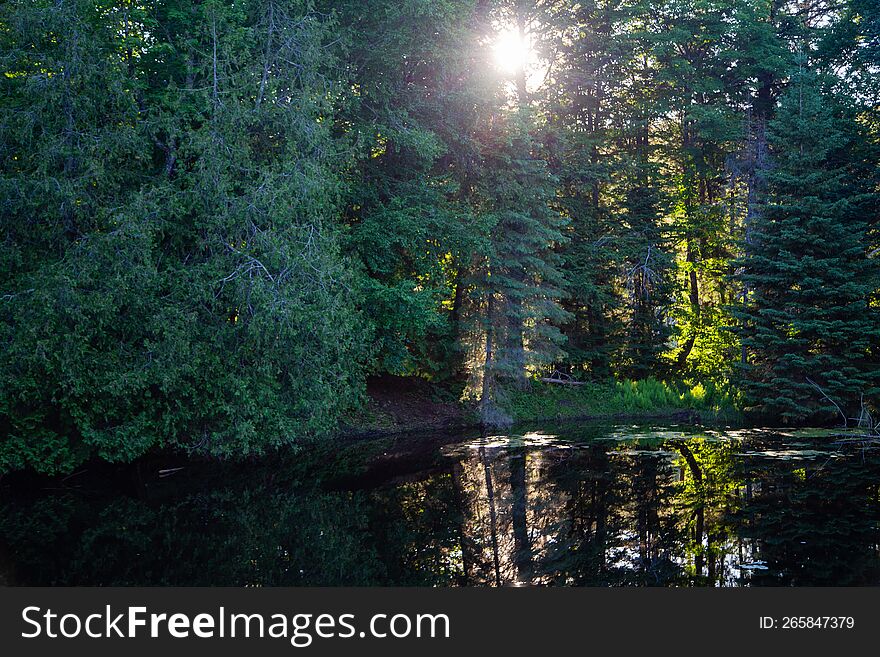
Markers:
(600, 507)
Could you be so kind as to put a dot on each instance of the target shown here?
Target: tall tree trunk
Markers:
(757, 157)
(455, 363)
(694, 298)
(486, 405)
(515, 350)
(515, 343)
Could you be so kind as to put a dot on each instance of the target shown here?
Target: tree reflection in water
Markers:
(600, 507)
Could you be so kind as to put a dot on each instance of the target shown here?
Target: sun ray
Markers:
(512, 50)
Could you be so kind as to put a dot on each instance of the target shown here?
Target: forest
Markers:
(221, 219)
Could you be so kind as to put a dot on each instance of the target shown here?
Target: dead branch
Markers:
(822, 392)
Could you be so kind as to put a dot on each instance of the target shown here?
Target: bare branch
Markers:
(822, 392)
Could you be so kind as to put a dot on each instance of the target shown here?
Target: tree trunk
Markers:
(488, 365)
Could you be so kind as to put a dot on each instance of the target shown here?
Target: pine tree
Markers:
(808, 326)
(523, 279)
(591, 57)
(647, 265)
(406, 109)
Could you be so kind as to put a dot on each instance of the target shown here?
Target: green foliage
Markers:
(218, 218)
(176, 277)
(647, 397)
(407, 109)
(808, 325)
(522, 271)
(617, 261)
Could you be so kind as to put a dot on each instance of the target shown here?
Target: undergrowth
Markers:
(648, 397)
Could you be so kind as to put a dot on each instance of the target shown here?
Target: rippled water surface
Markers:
(576, 505)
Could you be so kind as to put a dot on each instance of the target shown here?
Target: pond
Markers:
(575, 505)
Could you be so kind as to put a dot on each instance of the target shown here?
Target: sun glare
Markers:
(512, 52)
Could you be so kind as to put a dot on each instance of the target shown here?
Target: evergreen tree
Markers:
(522, 280)
(584, 87)
(169, 200)
(647, 264)
(698, 130)
(407, 111)
(808, 326)
(602, 107)
(217, 219)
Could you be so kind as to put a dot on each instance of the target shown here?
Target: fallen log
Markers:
(563, 382)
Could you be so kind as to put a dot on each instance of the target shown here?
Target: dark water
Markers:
(579, 506)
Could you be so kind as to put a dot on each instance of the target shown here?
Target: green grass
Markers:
(649, 397)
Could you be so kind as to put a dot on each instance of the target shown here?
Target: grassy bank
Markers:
(398, 404)
(608, 399)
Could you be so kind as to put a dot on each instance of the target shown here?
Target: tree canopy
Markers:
(219, 219)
